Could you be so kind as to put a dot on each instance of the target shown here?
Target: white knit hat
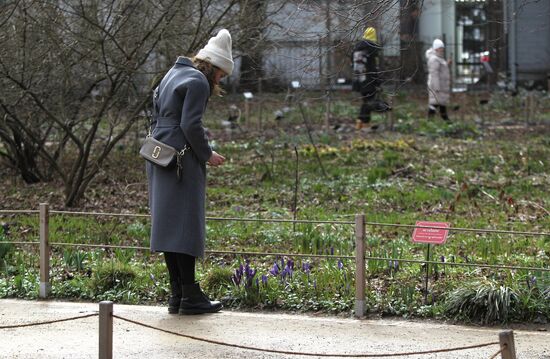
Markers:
(218, 52)
(438, 44)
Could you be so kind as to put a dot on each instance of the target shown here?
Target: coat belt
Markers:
(167, 121)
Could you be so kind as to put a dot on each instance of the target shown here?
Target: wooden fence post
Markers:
(105, 329)
(359, 265)
(507, 346)
(45, 286)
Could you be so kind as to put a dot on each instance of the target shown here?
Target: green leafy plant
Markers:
(75, 260)
(5, 248)
(111, 275)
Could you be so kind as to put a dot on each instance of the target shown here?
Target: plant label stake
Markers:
(430, 233)
(248, 96)
(427, 275)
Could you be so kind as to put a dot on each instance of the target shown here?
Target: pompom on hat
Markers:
(370, 34)
(218, 52)
(437, 44)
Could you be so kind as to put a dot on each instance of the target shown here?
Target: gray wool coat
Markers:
(439, 79)
(178, 207)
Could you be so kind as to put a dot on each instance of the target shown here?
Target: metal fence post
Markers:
(105, 329)
(359, 265)
(45, 286)
(507, 346)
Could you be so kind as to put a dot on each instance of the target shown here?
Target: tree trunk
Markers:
(253, 16)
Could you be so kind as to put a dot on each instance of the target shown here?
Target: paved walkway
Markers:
(297, 333)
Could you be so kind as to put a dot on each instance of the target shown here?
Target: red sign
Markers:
(431, 235)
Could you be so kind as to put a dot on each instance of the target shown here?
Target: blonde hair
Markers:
(209, 71)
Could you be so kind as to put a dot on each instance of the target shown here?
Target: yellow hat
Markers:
(370, 34)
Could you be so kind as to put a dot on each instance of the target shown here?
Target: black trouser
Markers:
(442, 111)
(181, 269)
(366, 106)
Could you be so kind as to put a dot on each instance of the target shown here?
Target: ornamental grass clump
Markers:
(482, 301)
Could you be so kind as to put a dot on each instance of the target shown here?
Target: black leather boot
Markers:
(194, 301)
(175, 298)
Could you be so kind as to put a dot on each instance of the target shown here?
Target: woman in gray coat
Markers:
(439, 80)
(178, 204)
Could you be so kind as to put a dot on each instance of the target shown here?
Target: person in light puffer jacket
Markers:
(439, 80)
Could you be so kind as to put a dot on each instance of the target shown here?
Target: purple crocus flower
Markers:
(264, 279)
(285, 272)
(290, 264)
(236, 280)
(443, 259)
(331, 251)
(275, 270)
(249, 274)
(306, 267)
(340, 264)
(289, 269)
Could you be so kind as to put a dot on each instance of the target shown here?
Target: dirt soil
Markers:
(286, 332)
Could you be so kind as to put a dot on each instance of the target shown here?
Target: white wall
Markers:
(437, 20)
(389, 30)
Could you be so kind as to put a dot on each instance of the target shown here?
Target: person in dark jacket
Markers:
(178, 205)
(366, 76)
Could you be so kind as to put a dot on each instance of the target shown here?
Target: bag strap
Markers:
(179, 162)
(151, 111)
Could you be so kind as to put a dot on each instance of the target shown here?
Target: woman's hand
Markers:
(216, 159)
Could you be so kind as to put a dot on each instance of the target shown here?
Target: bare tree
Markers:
(75, 76)
(252, 18)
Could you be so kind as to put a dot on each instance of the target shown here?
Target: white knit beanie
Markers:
(437, 44)
(218, 52)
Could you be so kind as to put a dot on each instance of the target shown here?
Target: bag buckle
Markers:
(156, 152)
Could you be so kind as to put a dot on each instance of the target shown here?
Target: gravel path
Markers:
(297, 333)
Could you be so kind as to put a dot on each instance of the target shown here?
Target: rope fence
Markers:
(360, 256)
(275, 351)
(106, 315)
(496, 354)
(14, 326)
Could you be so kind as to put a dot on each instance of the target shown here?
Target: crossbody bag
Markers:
(161, 154)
